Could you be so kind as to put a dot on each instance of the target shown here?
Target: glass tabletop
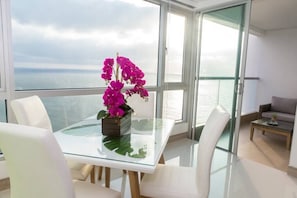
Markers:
(142, 145)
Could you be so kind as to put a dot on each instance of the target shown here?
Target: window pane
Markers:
(219, 49)
(66, 110)
(173, 104)
(175, 48)
(65, 47)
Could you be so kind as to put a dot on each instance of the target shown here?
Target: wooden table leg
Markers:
(4, 184)
(252, 132)
(92, 175)
(100, 173)
(134, 184)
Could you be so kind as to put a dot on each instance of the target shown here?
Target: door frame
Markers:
(238, 95)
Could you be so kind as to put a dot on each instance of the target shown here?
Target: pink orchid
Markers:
(113, 97)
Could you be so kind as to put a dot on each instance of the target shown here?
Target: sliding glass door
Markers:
(220, 60)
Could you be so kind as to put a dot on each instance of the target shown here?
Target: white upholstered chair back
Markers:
(210, 135)
(36, 164)
(31, 111)
(192, 182)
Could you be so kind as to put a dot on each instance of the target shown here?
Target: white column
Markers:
(293, 155)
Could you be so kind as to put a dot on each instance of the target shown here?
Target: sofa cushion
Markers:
(279, 116)
(284, 105)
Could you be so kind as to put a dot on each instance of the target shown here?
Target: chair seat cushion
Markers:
(88, 190)
(170, 181)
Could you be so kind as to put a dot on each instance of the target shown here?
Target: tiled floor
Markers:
(268, 149)
(232, 177)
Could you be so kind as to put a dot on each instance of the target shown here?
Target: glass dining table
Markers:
(137, 151)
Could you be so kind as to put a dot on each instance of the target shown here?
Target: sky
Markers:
(81, 33)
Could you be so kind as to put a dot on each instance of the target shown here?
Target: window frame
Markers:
(185, 85)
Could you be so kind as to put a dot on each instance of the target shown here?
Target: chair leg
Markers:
(107, 177)
(92, 175)
(141, 175)
(100, 172)
(4, 184)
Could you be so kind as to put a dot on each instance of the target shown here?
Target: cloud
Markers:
(87, 15)
(82, 32)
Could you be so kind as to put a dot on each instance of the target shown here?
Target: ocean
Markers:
(66, 110)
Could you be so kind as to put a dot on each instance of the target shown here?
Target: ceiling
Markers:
(274, 14)
(266, 15)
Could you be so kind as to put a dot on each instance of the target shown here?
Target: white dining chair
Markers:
(38, 169)
(31, 111)
(191, 182)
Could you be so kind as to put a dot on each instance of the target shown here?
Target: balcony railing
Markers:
(220, 90)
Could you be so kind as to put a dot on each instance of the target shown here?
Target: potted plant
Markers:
(116, 119)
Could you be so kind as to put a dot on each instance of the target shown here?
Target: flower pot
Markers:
(116, 126)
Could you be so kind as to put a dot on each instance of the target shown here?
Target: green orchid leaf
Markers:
(102, 114)
(141, 154)
(122, 146)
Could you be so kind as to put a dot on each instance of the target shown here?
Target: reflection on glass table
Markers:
(137, 151)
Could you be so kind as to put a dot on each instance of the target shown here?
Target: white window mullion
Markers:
(2, 70)
(6, 60)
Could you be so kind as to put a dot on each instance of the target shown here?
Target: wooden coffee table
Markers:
(283, 128)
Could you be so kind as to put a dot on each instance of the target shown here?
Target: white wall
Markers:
(249, 104)
(273, 58)
(274, 55)
(253, 56)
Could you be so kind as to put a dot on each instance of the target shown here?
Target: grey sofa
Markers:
(283, 108)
